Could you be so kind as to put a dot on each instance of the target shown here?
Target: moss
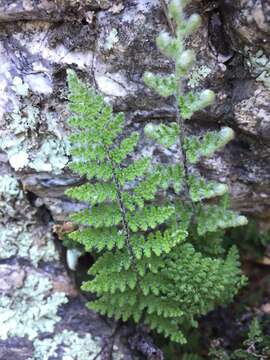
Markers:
(30, 310)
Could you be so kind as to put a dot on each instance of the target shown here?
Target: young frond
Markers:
(166, 135)
(164, 85)
(197, 283)
(208, 145)
(201, 189)
(213, 217)
(190, 103)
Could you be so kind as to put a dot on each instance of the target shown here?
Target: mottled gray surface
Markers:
(111, 44)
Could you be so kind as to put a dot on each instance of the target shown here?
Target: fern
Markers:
(150, 265)
(206, 218)
(122, 222)
(255, 346)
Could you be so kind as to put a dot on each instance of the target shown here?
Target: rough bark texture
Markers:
(110, 44)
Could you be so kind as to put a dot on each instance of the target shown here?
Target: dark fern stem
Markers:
(123, 211)
(181, 126)
(182, 135)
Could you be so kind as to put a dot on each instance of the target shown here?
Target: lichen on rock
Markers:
(32, 291)
(259, 65)
(24, 137)
(20, 238)
(69, 344)
(31, 309)
(198, 75)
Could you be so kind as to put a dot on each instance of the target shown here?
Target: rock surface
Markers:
(110, 44)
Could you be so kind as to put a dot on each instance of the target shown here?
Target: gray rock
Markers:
(110, 44)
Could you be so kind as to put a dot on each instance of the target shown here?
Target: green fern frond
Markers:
(111, 262)
(206, 146)
(210, 218)
(92, 169)
(126, 147)
(99, 239)
(200, 189)
(136, 169)
(102, 215)
(149, 226)
(149, 217)
(93, 193)
(166, 135)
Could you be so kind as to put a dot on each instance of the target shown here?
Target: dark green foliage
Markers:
(150, 265)
(256, 346)
(250, 239)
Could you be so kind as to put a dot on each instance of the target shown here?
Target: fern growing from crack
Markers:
(158, 261)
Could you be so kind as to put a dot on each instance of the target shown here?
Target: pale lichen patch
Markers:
(40, 83)
(10, 196)
(198, 75)
(31, 309)
(9, 187)
(20, 238)
(114, 84)
(259, 65)
(70, 344)
(109, 86)
(20, 87)
(111, 39)
(252, 115)
(52, 156)
(19, 160)
(16, 240)
(23, 136)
